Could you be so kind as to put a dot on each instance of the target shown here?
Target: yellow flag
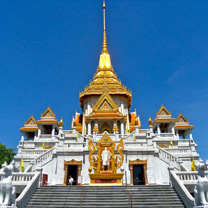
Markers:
(77, 136)
(134, 138)
(43, 146)
(22, 167)
(25, 147)
(171, 143)
(193, 168)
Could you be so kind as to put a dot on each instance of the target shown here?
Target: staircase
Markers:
(123, 196)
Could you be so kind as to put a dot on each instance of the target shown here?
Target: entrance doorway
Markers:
(72, 171)
(138, 175)
(72, 168)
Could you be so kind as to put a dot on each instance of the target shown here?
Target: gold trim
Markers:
(138, 162)
(105, 97)
(31, 119)
(71, 162)
(182, 117)
(46, 115)
(162, 108)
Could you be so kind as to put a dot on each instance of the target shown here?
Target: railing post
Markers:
(39, 169)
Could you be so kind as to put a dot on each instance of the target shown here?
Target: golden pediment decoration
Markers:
(48, 113)
(181, 119)
(72, 162)
(107, 144)
(137, 162)
(105, 103)
(31, 121)
(163, 111)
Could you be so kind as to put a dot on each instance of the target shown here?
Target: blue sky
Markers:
(49, 50)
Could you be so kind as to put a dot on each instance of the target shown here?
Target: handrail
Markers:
(182, 191)
(19, 177)
(168, 157)
(26, 194)
(129, 135)
(43, 157)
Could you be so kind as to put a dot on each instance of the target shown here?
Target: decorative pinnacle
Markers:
(104, 48)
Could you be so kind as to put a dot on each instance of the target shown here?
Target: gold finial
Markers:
(105, 48)
(61, 122)
(105, 61)
(150, 121)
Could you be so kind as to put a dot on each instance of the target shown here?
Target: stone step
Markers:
(105, 197)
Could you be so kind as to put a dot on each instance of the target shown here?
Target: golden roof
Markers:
(105, 79)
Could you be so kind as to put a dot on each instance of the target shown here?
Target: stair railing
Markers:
(169, 158)
(182, 191)
(29, 190)
(44, 157)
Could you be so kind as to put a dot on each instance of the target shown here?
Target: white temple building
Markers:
(106, 145)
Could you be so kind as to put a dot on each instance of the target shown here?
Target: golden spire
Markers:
(105, 61)
(105, 48)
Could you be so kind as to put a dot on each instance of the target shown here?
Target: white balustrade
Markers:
(33, 151)
(188, 177)
(75, 145)
(168, 158)
(19, 177)
(42, 158)
(181, 190)
(135, 144)
(184, 142)
(46, 136)
(26, 194)
(178, 150)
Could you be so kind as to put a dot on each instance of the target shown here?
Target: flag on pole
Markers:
(171, 143)
(193, 168)
(77, 136)
(43, 146)
(134, 138)
(22, 167)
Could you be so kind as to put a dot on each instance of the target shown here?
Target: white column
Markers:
(53, 130)
(36, 134)
(173, 130)
(122, 128)
(23, 136)
(89, 128)
(39, 130)
(158, 129)
(177, 133)
(191, 136)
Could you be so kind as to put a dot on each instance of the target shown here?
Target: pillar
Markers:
(39, 130)
(131, 175)
(158, 129)
(122, 128)
(191, 136)
(173, 130)
(89, 128)
(23, 136)
(177, 133)
(53, 130)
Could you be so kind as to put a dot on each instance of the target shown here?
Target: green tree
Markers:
(6, 154)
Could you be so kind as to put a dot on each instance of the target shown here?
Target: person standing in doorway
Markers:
(71, 180)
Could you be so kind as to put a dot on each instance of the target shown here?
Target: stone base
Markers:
(2, 206)
(202, 206)
(106, 179)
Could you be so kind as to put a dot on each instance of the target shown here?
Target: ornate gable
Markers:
(163, 111)
(31, 121)
(48, 113)
(181, 119)
(105, 103)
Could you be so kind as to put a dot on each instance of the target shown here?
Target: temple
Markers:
(106, 145)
